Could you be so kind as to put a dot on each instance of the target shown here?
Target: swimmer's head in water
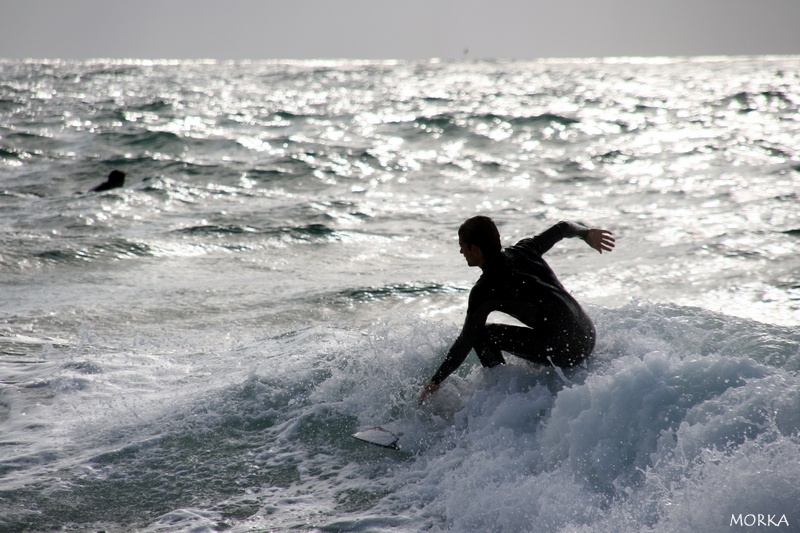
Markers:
(117, 177)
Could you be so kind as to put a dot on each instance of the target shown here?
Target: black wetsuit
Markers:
(520, 283)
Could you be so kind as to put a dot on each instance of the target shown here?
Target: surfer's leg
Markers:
(488, 346)
(520, 341)
(538, 347)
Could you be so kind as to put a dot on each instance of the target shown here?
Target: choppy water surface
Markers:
(192, 351)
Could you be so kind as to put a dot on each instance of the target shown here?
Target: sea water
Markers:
(192, 352)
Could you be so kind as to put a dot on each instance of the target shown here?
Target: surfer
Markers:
(115, 179)
(519, 282)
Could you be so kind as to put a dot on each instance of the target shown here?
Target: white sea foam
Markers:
(625, 445)
(662, 430)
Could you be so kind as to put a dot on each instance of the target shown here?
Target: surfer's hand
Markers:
(601, 240)
(429, 388)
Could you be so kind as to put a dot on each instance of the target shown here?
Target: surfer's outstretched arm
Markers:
(600, 239)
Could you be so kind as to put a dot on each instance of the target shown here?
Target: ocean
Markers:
(192, 352)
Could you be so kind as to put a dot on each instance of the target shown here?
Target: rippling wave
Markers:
(191, 351)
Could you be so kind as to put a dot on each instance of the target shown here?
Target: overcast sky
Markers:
(396, 29)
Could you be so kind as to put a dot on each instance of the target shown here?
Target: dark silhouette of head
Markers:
(115, 179)
(482, 232)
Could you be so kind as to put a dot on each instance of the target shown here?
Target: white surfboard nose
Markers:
(379, 437)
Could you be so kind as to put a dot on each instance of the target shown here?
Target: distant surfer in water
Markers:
(517, 281)
(115, 180)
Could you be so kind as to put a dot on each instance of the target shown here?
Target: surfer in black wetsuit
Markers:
(517, 281)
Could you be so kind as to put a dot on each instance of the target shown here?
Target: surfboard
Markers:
(379, 437)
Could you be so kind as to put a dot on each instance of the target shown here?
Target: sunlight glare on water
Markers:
(192, 352)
